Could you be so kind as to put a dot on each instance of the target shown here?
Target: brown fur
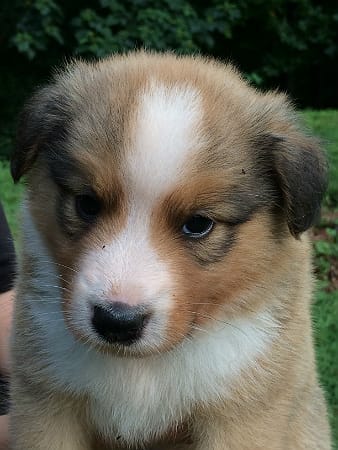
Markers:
(258, 174)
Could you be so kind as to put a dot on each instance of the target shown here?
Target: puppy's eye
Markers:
(198, 226)
(87, 206)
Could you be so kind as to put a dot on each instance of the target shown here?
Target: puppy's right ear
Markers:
(41, 123)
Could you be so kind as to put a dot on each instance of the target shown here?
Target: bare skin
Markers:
(6, 302)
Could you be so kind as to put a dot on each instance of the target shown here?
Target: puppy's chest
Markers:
(136, 407)
(174, 437)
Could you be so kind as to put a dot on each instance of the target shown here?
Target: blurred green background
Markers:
(291, 45)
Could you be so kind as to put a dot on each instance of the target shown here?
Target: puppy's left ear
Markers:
(301, 170)
(41, 124)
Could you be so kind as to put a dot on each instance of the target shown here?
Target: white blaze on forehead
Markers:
(165, 136)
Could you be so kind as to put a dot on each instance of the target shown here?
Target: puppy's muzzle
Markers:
(119, 323)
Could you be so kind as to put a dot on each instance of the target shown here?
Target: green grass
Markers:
(10, 196)
(325, 125)
(325, 308)
(325, 313)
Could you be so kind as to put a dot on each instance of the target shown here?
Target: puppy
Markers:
(165, 282)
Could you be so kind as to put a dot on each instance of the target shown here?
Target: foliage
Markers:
(299, 30)
(292, 33)
(295, 49)
(37, 27)
(124, 25)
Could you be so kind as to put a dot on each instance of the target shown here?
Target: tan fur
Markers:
(277, 404)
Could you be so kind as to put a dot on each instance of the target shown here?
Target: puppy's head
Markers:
(165, 190)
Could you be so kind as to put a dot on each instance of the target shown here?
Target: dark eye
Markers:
(198, 226)
(87, 207)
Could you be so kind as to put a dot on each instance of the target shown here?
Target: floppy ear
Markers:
(301, 170)
(41, 123)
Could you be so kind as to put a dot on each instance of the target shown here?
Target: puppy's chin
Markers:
(140, 349)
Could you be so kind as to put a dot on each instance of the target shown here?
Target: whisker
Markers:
(229, 324)
(54, 263)
(195, 327)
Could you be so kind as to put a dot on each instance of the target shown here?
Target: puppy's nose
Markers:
(119, 323)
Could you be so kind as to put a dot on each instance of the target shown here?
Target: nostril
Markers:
(119, 322)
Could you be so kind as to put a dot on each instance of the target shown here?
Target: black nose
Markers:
(119, 322)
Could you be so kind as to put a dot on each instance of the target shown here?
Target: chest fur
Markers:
(141, 398)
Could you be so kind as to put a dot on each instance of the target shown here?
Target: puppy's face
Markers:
(166, 191)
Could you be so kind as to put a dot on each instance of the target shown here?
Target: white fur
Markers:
(138, 398)
(128, 269)
(166, 136)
